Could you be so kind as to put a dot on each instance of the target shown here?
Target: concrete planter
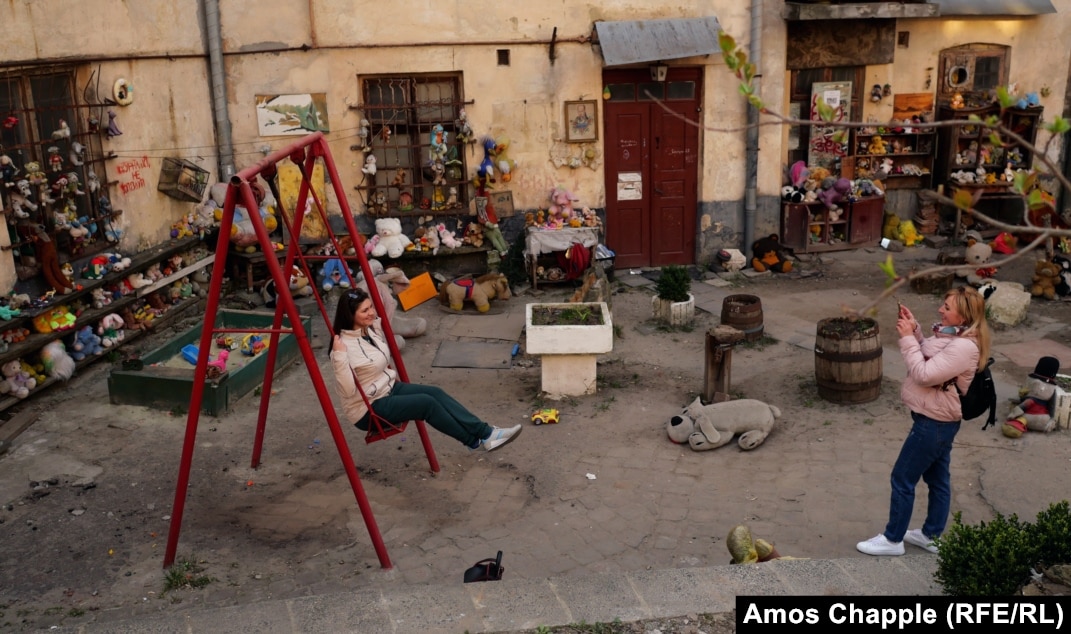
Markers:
(1061, 410)
(674, 313)
(568, 352)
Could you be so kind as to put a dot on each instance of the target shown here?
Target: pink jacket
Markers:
(931, 362)
(371, 361)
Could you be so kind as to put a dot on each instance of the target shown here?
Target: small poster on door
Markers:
(630, 186)
(829, 141)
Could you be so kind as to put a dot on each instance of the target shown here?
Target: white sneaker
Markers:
(500, 436)
(879, 545)
(916, 537)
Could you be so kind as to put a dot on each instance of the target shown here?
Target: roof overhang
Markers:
(995, 7)
(637, 41)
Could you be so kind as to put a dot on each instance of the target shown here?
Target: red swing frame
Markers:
(304, 154)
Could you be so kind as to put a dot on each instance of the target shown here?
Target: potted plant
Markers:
(568, 337)
(674, 303)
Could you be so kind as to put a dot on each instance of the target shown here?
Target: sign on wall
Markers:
(285, 115)
(829, 142)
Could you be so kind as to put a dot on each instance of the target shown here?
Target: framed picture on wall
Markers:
(581, 121)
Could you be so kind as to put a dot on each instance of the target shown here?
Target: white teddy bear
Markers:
(392, 241)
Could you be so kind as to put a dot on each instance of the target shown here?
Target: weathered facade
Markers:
(196, 68)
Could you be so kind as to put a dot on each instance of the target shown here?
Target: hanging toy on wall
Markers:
(465, 134)
(438, 143)
(113, 125)
(123, 92)
(485, 173)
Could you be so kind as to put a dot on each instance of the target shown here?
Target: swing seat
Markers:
(379, 429)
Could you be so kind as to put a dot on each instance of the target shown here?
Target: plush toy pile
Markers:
(706, 427)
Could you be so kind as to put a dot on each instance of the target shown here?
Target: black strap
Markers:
(992, 400)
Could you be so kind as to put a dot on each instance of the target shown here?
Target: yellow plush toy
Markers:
(907, 233)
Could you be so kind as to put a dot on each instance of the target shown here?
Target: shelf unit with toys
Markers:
(967, 156)
(900, 157)
(26, 344)
(808, 227)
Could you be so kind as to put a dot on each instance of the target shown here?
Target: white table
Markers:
(539, 241)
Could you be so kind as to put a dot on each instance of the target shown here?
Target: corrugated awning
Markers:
(994, 7)
(636, 41)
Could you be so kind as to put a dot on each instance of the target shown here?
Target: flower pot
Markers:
(674, 313)
(567, 350)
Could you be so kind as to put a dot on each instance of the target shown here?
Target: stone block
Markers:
(1008, 304)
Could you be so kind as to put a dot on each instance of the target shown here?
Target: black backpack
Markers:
(980, 396)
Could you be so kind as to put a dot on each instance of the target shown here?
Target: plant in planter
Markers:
(674, 303)
(568, 337)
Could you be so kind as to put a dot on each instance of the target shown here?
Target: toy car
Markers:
(545, 416)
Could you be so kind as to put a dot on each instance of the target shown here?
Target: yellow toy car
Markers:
(545, 416)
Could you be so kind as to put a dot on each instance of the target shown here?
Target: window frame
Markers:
(403, 110)
(39, 97)
(966, 57)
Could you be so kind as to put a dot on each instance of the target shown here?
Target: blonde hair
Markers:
(971, 306)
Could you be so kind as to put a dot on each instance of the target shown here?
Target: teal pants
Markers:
(412, 401)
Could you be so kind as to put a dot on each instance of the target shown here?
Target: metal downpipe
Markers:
(218, 89)
(751, 160)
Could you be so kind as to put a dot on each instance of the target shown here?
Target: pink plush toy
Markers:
(447, 237)
(561, 206)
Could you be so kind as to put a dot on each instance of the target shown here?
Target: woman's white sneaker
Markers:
(916, 537)
(879, 545)
(501, 436)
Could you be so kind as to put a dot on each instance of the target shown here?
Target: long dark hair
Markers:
(347, 307)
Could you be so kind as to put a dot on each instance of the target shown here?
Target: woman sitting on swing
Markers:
(359, 352)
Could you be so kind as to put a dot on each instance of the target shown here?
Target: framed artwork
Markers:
(581, 121)
(285, 115)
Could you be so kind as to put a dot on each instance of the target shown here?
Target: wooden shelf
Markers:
(903, 148)
(859, 226)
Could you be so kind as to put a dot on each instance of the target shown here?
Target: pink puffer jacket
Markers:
(931, 362)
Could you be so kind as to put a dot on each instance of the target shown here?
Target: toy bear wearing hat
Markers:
(1034, 411)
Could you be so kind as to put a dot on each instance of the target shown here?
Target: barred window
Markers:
(417, 135)
(52, 166)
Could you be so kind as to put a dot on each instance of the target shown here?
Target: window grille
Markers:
(41, 123)
(403, 113)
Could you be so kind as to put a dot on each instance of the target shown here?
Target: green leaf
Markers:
(757, 102)
(1059, 125)
(726, 42)
(889, 269)
(1006, 99)
(825, 111)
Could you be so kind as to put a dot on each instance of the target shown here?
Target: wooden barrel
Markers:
(743, 312)
(847, 360)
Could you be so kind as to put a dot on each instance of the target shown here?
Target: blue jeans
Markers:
(412, 401)
(926, 454)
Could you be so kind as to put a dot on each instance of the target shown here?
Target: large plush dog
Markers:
(479, 291)
(706, 427)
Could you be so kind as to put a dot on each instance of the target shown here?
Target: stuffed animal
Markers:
(85, 343)
(57, 363)
(111, 330)
(447, 238)
(369, 165)
(16, 382)
(977, 270)
(1035, 409)
(479, 291)
(706, 427)
(835, 193)
(907, 233)
(473, 235)
(768, 255)
(1046, 277)
(54, 319)
(335, 272)
(485, 173)
(561, 206)
(1063, 282)
(392, 241)
(389, 282)
(503, 162)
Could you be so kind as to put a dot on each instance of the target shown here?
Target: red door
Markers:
(652, 164)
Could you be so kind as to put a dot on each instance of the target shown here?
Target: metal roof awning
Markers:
(994, 7)
(636, 41)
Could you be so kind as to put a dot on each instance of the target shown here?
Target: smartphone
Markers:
(899, 308)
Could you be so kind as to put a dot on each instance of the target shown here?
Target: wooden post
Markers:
(719, 356)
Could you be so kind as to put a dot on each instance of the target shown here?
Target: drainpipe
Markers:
(751, 160)
(218, 89)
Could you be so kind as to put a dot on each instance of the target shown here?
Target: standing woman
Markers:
(939, 369)
(359, 352)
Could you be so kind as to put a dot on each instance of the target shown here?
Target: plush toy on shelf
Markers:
(111, 330)
(392, 241)
(85, 343)
(16, 382)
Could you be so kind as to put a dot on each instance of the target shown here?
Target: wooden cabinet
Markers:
(906, 153)
(967, 156)
(806, 227)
